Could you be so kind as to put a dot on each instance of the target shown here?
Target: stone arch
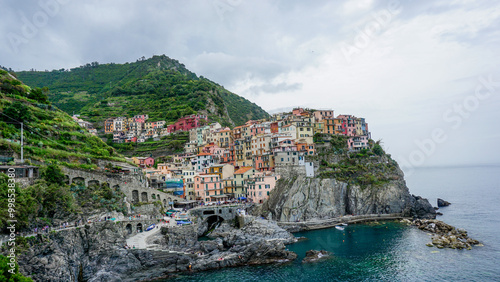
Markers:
(213, 222)
(78, 180)
(164, 203)
(144, 197)
(139, 227)
(93, 182)
(116, 187)
(153, 196)
(158, 197)
(135, 196)
(66, 179)
(129, 228)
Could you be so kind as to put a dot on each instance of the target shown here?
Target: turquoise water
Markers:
(393, 252)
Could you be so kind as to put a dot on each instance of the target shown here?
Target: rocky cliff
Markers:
(97, 253)
(351, 185)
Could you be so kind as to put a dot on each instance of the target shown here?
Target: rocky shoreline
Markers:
(445, 235)
(96, 253)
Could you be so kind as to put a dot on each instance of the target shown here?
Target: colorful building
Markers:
(241, 176)
(144, 161)
(188, 122)
(260, 186)
(208, 187)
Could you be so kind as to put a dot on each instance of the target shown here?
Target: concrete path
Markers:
(140, 240)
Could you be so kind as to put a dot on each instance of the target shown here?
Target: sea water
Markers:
(390, 251)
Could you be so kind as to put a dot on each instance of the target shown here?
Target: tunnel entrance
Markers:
(212, 222)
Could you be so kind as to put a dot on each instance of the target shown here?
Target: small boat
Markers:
(339, 227)
(184, 222)
(343, 224)
(152, 226)
(182, 217)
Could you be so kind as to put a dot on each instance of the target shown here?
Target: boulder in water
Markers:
(442, 203)
(313, 255)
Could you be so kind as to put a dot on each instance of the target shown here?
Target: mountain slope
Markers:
(50, 135)
(159, 86)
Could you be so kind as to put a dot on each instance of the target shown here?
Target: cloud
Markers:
(270, 88)
(401, 75)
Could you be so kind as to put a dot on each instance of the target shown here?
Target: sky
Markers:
(424, 74)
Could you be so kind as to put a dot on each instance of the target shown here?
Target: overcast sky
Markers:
(425, 74)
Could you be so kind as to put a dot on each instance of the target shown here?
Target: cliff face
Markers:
(95, 253)
(89, 253)
(302, 198)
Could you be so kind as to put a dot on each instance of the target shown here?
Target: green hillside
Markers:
(50, 135)
(160, 87)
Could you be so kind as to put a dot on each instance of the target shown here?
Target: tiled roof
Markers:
(243, 170)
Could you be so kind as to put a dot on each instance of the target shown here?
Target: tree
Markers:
(17, 111)
(54, 174)
(39, 94)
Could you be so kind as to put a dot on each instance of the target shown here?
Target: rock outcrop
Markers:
(97, 253)
(442, 203)
(304, 199)
(445, 235)
(313, 256)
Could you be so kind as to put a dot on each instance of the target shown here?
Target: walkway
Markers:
(139, 241)
(331, 222)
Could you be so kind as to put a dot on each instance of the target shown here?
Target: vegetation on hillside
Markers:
(367, 168)
(167, 145)
(50, 135)
(6, 276)
(159, 86)
(51, 199)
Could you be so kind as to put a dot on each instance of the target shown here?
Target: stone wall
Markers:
(134, 186)
(226, 212)
(290, 171)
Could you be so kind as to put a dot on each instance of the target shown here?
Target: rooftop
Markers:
(243, 170)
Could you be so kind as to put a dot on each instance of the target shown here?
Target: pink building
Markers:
(297, 111)
(140, 118)
(348, 124)
(260, 128)
(357, 143)
(144, 161)
(260, 186)
(323, 114)
(186, 123)
(208, 187)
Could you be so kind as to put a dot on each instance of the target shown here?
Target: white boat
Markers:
(182, 217)
(339, 227)
(343, 224)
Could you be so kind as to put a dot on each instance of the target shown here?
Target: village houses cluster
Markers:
(139, 129)
(245, 162)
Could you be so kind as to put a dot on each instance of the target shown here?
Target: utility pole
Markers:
(22, 155)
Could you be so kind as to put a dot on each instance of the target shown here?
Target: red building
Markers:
(186, 123)
(274, 127)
